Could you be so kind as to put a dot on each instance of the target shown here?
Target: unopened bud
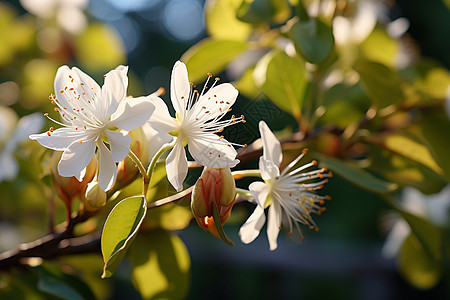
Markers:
(127, 171)
(215, 186)
(70, 188)
(95, 197)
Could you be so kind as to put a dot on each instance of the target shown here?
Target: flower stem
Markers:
(139, 164)
(243, 192)
(246, 173)
(170, 199)
(151, 167)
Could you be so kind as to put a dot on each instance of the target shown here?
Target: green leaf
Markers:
(356, 175)
(380, 47)
(99, 48)
(283, 79)
(161, 265)
(121, 227)
(410, 145)
(264, 11)
(221, 21)
(435, 127)
(417, 266)
(427, 234)
(404, 171)
(313, 39)
(54, 281)
(211, 56)
(380, 83)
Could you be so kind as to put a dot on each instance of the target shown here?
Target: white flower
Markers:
(289, 193)
(69, 13)
(198, 118)
(90, 115)
(434, 208)
(13, 132)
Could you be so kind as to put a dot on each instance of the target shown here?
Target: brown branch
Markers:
(49, 246)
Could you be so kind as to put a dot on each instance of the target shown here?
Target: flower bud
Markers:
(127, 171)
(95, 197)
(214, 186)
(69, 188)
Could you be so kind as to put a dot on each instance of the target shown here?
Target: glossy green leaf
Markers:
(119, 231)
(313, 39)
(219, 227)
(99, 48)
(380, 83)
(380, 47)
(283, 79)
(435, 127)
(417, 266)
(264, 11)
(161, 265)
(404, 171)
(222, 23)
(211, 56)
(356, 175)
(409, 145)
(54, 281)
(427, 234)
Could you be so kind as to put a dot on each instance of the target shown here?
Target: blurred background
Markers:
(342, 261)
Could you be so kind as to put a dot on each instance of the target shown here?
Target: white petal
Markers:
(66, 79)
(59, 139)
(179, 88)
(215, 102)
(75, 158)
(273, 224)
(132, 113)
(80, 176)
(395, 238)
(252, 227)
(161, 120)
(26, 126)
(107, 169)
(9, 167)
(268, 169)
(119, 143)
(271, 145)
(260, 191)
(114, 89)
(155, 139)
(176, 166)
(208, 150)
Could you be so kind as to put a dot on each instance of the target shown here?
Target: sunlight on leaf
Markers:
(119, 231)
(161, 265)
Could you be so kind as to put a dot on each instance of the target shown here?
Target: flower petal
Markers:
(9, 167)
(176, 165)
(80, 176)
(215, 102)
(76, 157)
(132, 113)
(26, 126)
(83, 85)
(155, 139)
(271, 145)
(179, 88)
(273, 224)
(114, 89)
(260, 191)
(59, 139)
(107, 169)
(119, 142)
(160, 119)
(252, 227)
(211, 151)
(268, 169)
